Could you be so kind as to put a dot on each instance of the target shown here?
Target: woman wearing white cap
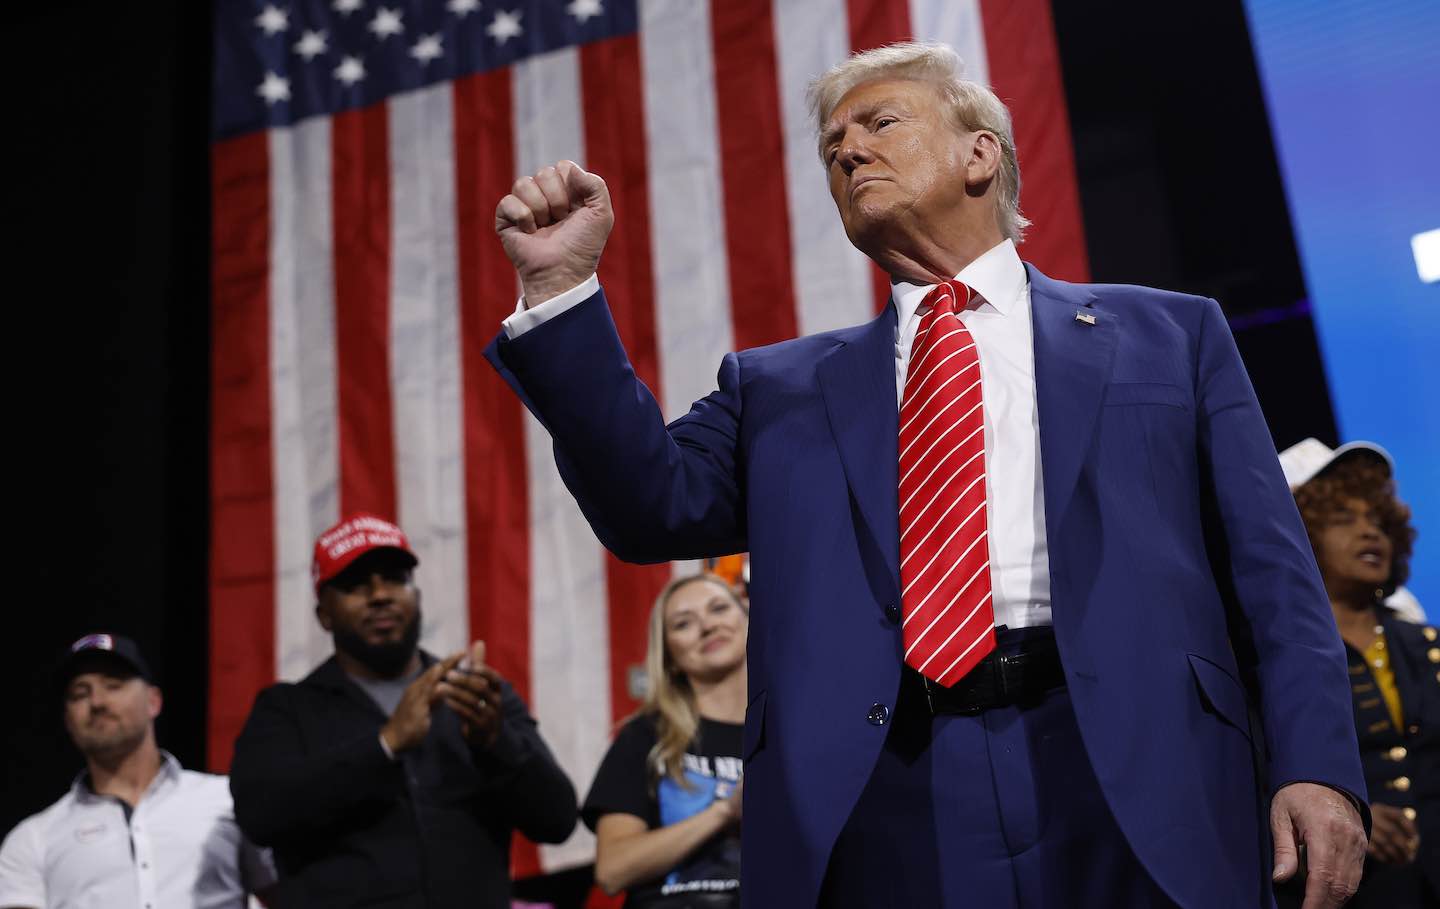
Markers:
(1362, 538)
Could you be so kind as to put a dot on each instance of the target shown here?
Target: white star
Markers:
(273, 20)
(311, 45)
(584, 9)
(386, 23)
(346, 7)
(428, 49)
(505, 26)
(274, 89)
(462, 7)
(350, 70)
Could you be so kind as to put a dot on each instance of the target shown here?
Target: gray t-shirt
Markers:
(386, 693)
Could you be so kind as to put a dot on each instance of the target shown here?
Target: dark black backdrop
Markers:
(108, 340)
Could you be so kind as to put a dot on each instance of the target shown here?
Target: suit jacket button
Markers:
(1398, 753)
(892, 612)
(879, 714)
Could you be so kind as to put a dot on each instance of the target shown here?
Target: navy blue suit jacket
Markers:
(1178, 566)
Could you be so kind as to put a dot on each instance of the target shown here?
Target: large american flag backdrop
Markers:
(360, 147)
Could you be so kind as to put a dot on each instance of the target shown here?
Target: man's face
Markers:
(109, 713)
(1352, 548)
(373, 610)
(894, 156)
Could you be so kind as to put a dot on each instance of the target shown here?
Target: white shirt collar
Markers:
(170, 771)
(997, 275)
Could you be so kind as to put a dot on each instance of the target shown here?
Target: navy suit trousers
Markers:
(993, 811)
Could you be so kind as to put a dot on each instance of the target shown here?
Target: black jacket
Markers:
(1402, 766)
(351, 827)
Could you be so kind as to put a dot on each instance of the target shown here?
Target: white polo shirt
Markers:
(179, 848)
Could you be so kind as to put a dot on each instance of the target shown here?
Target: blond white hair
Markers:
(972, 107)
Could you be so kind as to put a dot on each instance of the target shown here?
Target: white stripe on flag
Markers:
(569, 618)
(692, 289)
(302, 383)
(958, 24)
(425, 358)
(832, 277)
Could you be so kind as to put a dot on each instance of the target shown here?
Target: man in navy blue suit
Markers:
(1022, 556)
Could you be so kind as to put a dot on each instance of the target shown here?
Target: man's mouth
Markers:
(1371, 557)
(862, 181)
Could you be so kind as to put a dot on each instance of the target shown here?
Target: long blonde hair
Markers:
(669, 697)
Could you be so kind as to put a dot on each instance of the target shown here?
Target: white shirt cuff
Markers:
(524, 319)
(385, 747)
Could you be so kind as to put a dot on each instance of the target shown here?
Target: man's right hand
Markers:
(554, 226)
(410, 722)
(1394, 838)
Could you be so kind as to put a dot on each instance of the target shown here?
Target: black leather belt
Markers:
(1009, 675)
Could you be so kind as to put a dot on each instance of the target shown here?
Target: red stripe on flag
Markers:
(497, 534)
(1025, 73)
(613, 100)
(360, 155)
(757, 233)
(875, 23)
(242, 526)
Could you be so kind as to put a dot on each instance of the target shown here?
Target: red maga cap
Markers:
(353, 537)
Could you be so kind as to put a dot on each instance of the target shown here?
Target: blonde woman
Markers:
(665, 805)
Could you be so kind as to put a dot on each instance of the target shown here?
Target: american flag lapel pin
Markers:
(1087, 317)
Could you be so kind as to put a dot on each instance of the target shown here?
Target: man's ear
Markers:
(983, 164)
(154, 701)
(322, 613)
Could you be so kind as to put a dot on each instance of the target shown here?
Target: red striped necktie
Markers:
(944, 549)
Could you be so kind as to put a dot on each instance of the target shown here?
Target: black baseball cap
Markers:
(111, 653)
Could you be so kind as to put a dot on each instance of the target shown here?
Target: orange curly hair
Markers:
(1366, 479)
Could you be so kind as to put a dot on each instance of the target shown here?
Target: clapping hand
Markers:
(472, 690)
(410, 722)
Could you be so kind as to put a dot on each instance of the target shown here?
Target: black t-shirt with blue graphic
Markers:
(710, 876)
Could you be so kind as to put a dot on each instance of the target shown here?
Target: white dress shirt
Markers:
(999, 320)
(178, 849)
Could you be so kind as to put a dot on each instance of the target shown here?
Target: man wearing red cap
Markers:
(389, 777)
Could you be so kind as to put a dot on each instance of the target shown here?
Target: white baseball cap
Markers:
(1307, 459)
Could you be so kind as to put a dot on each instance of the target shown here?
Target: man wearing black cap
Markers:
(135, 830)
(388, 777)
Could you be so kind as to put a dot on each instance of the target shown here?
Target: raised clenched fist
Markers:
(554, 226)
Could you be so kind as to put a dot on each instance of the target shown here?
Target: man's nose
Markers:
(853, 151)
(381, 589)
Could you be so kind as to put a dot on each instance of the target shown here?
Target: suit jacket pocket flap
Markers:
(1221, 693)
(754, 738)
(1120, 393)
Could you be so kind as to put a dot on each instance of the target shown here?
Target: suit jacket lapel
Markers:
(1073, 358)
(857, 380)
(1406, 672)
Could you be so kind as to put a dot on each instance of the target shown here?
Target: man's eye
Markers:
(884, 122)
